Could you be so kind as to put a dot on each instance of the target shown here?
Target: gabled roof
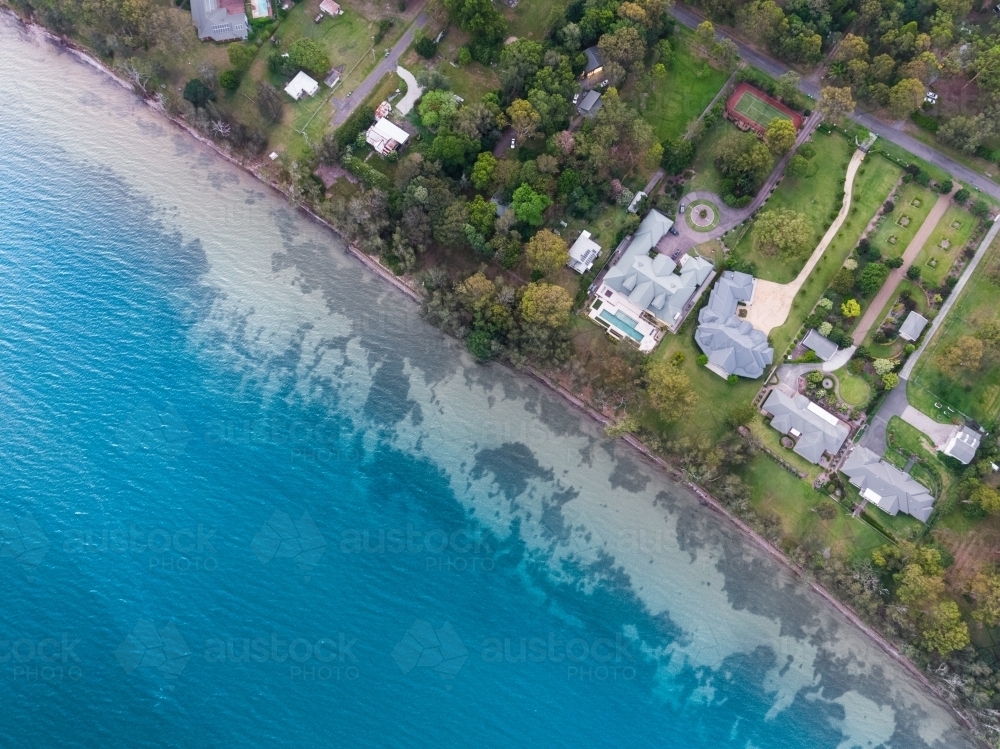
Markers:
(384, 136)
(819, 431)
(823, 347)
(590, 103)
(583, 253)
(733, 345)
(912, 326)
(301, 85)
(886, 486)
(656, 284)
(221, 20)
(962, 444)
(595, 60)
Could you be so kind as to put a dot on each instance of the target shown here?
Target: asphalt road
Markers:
(346, 106)
(891, 133)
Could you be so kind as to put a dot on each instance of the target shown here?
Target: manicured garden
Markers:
(853, 389)
(908, 296)
(817, 195)
(896, 229)
(955, 373)
(945, 245)
(689, 87)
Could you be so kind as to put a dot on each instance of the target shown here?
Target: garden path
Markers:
(773, 301)
(872, 314)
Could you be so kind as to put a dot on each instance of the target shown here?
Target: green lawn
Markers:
(815, 196)
(934, 260)
(975, 392)
(689, 87)
(906, 441)
(904, 158)
(853, 389)
(794, 500)
(530, 18)
(872, 184)
(892, 238)
(706, 176)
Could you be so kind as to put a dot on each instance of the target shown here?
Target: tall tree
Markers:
(780, 135)
(523, 118)
(835, 103)
(782, 231)
(546, 251)
(670, 392)
(905, 97)
(624, 46)
(546, 305)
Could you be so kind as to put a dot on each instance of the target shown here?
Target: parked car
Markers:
(673, 230)
(680, 208)
(576, 98)
(604, 83)
(513, 144)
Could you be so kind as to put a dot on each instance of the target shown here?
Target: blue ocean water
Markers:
(195, 554)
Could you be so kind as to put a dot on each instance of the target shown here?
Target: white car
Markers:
(512, 143)
(681, 208)
(576, 98)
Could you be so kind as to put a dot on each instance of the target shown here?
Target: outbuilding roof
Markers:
(595, 60)
(962, 444)
(912, 326)
(822, 346)
(583, 253)
(301, 85)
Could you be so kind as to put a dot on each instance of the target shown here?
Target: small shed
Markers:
(330, 8)
(301, 85)
(912, 326)
(962, 444)
(822, 346)
(590, 103)
(583, 253)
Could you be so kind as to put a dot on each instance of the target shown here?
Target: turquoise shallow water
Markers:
(250, 499)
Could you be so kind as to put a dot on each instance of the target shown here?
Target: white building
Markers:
(583, 253)
(385, 137)
(301, 85)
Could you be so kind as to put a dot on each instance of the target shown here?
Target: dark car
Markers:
(673, 230)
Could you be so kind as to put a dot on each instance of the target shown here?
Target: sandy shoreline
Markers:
(705, 499)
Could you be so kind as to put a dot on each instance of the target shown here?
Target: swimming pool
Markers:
(622, 322)
(260, 8)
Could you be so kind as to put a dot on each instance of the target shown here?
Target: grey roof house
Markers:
(886, 486)
(962, 444)
(589, 104)
(583, 253)
(656, 286)
(912, 326)
(595, 62)
(816, 430)
(220, 20)
(733, 345)
(820, 345)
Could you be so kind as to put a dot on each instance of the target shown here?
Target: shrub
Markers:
(862, 353)
(702, 360)
(894, 262)
(872, 278)
(946, 187)
(962, 196)
(913, 272)
(851, 263)
(229, 80)
(922, 178)
(883, 366)
(825, 303)
(890, 380)
(426, 47)
(888, 207)
(824, 328)
(733, 379)
(909, 349)
(980, 209)
(384, 25)
(464, 56)
(924, 122)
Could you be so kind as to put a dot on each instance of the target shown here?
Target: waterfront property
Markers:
(386, 137)
(815, 430)
(301, 86)
(820, 345)
(887, 487)
(962, 444)
(732, 345)
(220, 20)
(912, 326)
(583, 253)
(655, 291)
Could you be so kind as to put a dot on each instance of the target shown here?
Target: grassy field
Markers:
(468, 81)
(935, 261)
(815, 196)
(975, 392)
(853, 389)
(904, 158)
(529, 18)
(892, 238)
(688, 88)
(892, 350)
(706, 176)
(774, 490)
(906, 442)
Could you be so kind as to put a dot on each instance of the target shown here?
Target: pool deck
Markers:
(617, 304)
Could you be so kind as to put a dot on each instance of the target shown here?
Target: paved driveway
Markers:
(346, 106)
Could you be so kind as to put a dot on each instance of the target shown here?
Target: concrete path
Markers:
(773, 301)
(345, 107)
(873, 314)
(653, 181)
(938, 433)
(839, 359)
(413, 91)
(893, 133)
